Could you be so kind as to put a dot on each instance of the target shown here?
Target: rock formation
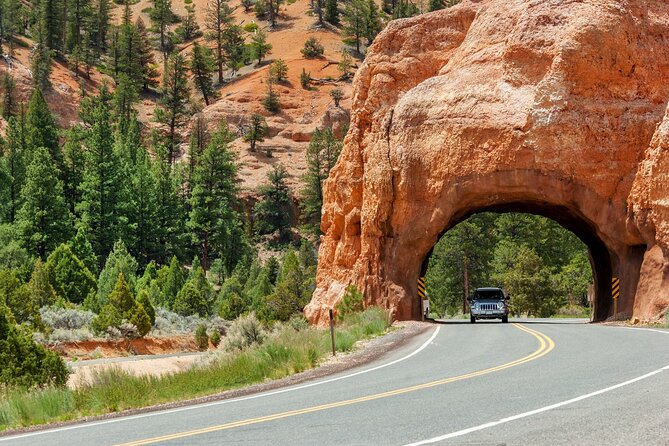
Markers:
(552, 107)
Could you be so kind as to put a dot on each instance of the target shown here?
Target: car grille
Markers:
(488, 306)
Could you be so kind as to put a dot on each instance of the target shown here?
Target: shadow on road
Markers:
(519, 321)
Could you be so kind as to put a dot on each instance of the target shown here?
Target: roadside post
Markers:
(615, 293)
(332, 336)
(422, 295)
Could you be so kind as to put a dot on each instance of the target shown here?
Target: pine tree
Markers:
(173, 283)
(129, 45)
(355, 18)
(234, 47)
(273, 7)
(291, 293)
(279, 70)
(373, 24)
(199, 137)
(145, 54)
(332, 12)
(41, 55)
(256, 131)
(70, 278)
(16, 159)
(145, 302)
(11, 22)
(101, 25)
(272, 212)
(218, 16)
(40, 286)
(79, 17)
(73, 165)
(81, 247)
(103, 190)
(169, 225)
(41, 129)
(125, 97)
(173, 105)
(119, 262)
(161, 17)
(214, 188)
(8, 105)
(345, 65)
(44, 219)
(259, 45)
(436, 5)
(196, 297)
(322, 155)
(202, 66)
(144, 209)
(271, 99)
(337, 95)
(49, 22)
(189, 29)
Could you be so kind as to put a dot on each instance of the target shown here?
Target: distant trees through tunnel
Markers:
(544, 266)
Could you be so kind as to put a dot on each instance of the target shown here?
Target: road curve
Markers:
(532, 382)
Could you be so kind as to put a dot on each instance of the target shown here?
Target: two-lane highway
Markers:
(533, 382)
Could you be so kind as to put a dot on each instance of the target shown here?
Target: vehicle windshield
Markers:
(488, 294)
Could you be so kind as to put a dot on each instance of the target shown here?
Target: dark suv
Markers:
(489, 303)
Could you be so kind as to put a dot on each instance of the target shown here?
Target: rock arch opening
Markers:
(600, 257)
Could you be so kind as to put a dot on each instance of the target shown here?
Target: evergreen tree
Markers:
(40, 286)
(173, 105)
(8, 105)
(199, 138)
(212, 218)
(16, 159)
(41, 128)
(234, 47)
(11, 22)
(190, 29)
(322, 155)
(291, 293)
(129, 55)
(119, 263)
(332, 12)
(144, 208)
(231, 301)
(259, 45)
(279, 70)
(373, 24)
(146, 57)
(82, 249)
(272, 212)
(256, 131)
(345, 65)
(173, 282)
(79, 17)
(337, 95)
(195, 297)
(41, 59)
(101, 25)
(70, 278)
(355, 19)
(103, 190)
(73, 165)
(169, 225)
(125, 97)
(273, 9)
(145, 302)
(44, 219)
(218, 16)
(202, 66)
(271, 99)
(161, 17)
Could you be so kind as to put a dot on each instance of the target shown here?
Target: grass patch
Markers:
(288, 349)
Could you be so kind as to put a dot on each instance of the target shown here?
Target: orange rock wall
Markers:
(549, 107)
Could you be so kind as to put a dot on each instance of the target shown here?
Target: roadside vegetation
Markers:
(543, 266)
(250, 353)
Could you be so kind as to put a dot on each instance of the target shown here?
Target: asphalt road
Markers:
(536, 382)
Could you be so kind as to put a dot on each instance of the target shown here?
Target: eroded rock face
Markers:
(544, 106)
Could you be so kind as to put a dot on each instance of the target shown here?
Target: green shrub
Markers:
(312, 48)
(352, 302)
(250, 27)
(25, 363)
(201, 338)
(143, 299)
(141, 320)
(305, 79)
(245, 331)
(215, 338)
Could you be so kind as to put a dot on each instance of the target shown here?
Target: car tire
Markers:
(472, 319)
(505, 319)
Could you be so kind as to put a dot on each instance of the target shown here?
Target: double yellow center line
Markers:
(546, 344)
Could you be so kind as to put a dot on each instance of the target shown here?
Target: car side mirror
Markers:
(508, 297)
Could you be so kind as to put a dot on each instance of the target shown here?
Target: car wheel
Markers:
(472, 319)
(505, 319)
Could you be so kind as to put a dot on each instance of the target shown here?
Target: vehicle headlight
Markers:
(500, 305)
(476, 305)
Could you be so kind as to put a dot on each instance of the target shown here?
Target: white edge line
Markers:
(536, 411)
(645, 329)
(228, 401)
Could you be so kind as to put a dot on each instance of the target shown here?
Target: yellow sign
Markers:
(615, 288)
(421, 287)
